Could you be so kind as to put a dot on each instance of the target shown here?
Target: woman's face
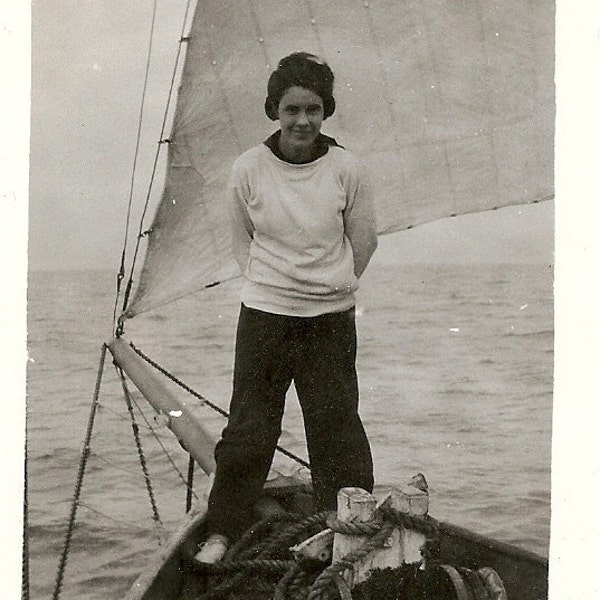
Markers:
(300, 115)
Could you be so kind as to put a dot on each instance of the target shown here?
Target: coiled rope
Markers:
(269, 566)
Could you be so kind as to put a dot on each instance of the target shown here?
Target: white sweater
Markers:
(302, 233)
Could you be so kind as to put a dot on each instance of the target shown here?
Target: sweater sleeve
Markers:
(359, 218)
(242, 229)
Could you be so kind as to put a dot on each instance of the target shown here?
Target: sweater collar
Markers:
(321, 147)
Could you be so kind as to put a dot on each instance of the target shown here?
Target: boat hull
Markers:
(169, 577)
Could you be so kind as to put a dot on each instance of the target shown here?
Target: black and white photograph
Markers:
(291, 301)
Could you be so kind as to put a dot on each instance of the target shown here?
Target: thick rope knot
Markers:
(367, 528)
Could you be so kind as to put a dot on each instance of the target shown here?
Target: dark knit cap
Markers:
(304, 70)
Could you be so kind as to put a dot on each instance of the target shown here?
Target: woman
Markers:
(303, 233)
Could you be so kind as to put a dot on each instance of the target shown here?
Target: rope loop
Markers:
(366, 528)
(426, 525)
(325, 585)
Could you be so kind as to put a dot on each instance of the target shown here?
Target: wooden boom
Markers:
(181, 420)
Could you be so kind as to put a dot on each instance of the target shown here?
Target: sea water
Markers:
(455, 366)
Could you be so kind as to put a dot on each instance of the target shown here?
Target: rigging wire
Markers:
(126, 418)
(204, 400)
(187, 483)
(113, 465)
(121, 273)
(115, 520)
(141, 234)
(80, 475)
(138, 443)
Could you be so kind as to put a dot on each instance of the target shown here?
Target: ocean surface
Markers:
(455, 367)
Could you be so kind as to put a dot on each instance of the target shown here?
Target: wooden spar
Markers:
(181, 420)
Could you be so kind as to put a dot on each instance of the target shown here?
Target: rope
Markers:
(343, 588)
(292, 584)
(321, 588)
(284, 578)
(162, 446)
(271, 556)
(234, 566)
(367, 528)
(243, 547)
(124, 417)
(298, 531)
(202, 399)
(427, 525)
(80, 475)
(136, 435)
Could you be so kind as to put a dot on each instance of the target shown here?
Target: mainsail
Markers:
(449, 103)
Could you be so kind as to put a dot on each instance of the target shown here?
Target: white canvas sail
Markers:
(450, 104)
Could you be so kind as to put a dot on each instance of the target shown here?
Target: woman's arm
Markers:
(360, 221)
(242, 229)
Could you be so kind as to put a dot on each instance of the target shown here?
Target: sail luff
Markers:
(449, 104)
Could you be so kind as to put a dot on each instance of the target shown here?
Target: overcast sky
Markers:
(88, 70)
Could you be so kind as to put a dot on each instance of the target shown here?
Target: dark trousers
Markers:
(319, 355)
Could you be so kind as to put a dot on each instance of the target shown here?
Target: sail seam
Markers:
(386, 88)
(222, 91)
(491, 124)
(317, 33)
(436, 86)
(259, 34)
